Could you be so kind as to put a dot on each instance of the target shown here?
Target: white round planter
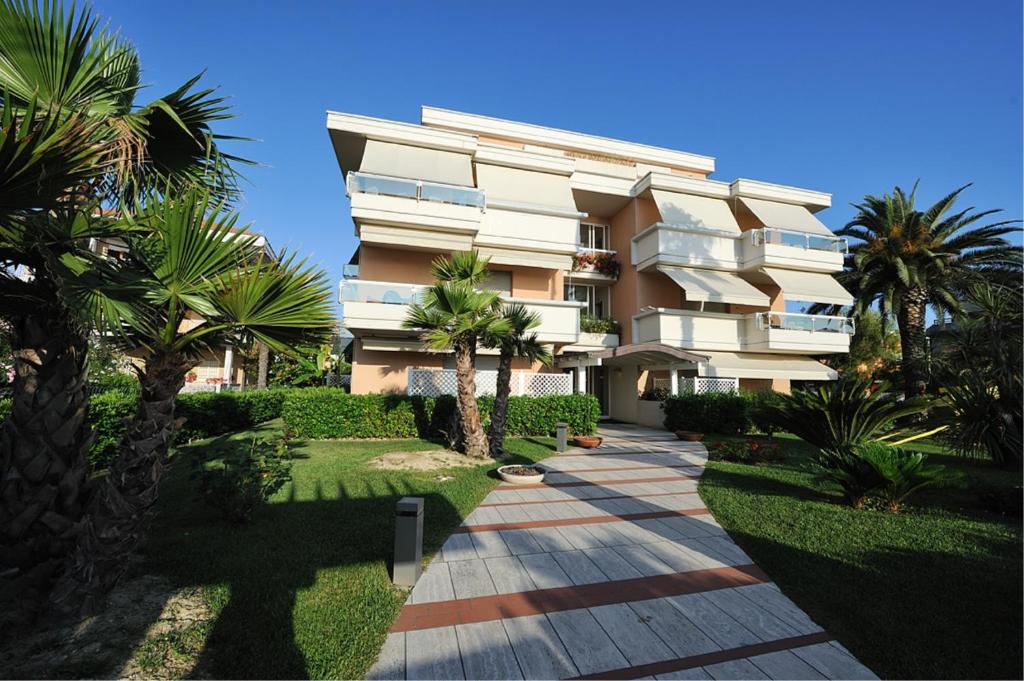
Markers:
(519, 479)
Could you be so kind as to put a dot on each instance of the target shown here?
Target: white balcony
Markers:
(413, 213)
(759, 332)
(792, 249)
(382, 306)
(797, 333)
(664, 244)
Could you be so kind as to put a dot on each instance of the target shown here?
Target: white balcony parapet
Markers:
(437, 382)
(795, 239)
(433, 192)
(388, 293)
(791, 321)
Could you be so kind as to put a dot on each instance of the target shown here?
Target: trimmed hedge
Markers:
(330, 413)
(210, 414)
(724, 413)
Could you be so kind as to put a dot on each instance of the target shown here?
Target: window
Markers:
(595, 297)
(500, 282)
(594, 236)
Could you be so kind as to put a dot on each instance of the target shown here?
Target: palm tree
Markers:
(203, 284)
(71, 139)
(518, 342)
(453, 316)
(907, 260)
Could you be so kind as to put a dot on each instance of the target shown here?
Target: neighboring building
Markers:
(696, 272)
(219, 368)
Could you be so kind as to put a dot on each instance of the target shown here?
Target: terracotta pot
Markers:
(587, 441)
(518, 479)
(689, 435)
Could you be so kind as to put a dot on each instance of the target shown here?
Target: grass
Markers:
(932, 592)
(304, 590)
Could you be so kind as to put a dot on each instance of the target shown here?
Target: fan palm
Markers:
(454, 316)
(202, 284)
(519, 343)
(71, 139)
(907, 259)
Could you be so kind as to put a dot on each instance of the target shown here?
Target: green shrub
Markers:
(725, 413)
(761, 411)
(243, 478)
(591, 324)
(114, 380)
(855, 476)
(901, 473)
(109, 413)
(842, 413)
(330, 413)
(745, 451)
(210, 414)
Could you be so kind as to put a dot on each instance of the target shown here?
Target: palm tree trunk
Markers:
(499, 413)
(263, 366)
(911, 321)
(44, 445)
(465, 374)
(120, 506)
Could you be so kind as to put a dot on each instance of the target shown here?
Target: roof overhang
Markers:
(644, 354)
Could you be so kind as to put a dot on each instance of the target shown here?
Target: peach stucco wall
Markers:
(395, 265)
(779, 385)
(375, 371)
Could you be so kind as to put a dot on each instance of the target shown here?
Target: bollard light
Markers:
(408, 541)
(562, 431)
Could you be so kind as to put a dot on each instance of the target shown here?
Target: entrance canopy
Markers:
(644, 354)
(753, 365)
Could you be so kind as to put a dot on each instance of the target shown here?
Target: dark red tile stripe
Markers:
(589, 520)
(678, 664)
(583, 499)
(623, 468)
(487, 608)
(598, 483)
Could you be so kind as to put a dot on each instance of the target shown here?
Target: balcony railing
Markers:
(786, 237)
(350, 272)
(790, 321)
(359, 291)
(366, 183)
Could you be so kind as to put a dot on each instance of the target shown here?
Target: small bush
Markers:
(901, 473)
(724, 413)
(244, 478)
(761, 407)
(746, 451)
(114, 380)
(327, 413)
(855, 476)
(655, 394)
(109, 413)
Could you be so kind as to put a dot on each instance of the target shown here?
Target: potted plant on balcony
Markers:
(600, 262)
(591, 324)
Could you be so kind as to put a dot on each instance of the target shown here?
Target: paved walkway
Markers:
(610, 569)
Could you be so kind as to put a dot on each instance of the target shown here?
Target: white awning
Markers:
(525, 187)
(786, 216)
(714, 287)
(417, 163)
(751, 365)
(696, 212)
(813, 287)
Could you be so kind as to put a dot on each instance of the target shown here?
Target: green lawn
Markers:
(304, 591)
(934, 592)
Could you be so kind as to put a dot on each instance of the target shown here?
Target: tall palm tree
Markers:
(518, 342)
(454, 316)
(906, 260)
(72, 138)
(203, 284)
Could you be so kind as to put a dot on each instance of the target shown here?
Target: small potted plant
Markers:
(689, 435)
(518, 474)
(587, 441)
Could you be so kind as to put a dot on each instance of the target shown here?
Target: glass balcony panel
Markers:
(805, 322)
(456, 195)
(783, 237)
(387, 186)
(355, 291)
(363, 183)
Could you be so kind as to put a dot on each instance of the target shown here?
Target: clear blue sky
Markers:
(845, 97)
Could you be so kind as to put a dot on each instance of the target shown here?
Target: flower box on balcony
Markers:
(598, 262)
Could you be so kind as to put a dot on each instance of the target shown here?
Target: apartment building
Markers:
(645, 272)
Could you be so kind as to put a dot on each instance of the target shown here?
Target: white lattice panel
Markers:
(435, 382)
(703, 384)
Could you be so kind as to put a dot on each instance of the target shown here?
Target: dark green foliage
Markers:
(108, 414)
(725, 413)
(842, 413)
(114, 380)
(902, 473)
(844, 467)
(745, 451)
(329, 413)
(760, 410)
(209, 414)
(243, 478)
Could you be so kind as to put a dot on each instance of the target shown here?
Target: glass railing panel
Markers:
(806, 322)
(793, 239)
(387, 186)
(355, 291)
(363, 183)
(459, 196)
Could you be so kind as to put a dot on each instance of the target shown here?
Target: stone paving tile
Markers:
(579, 567)
(759, 621)
(489, 544)
(538, 648)
(785, 665)
(433, 654)
(676, 629)
(471, 578)
(457, 547)
(643, 560)
(434, 585)
(694, 673)
(612, 564)
(519, 542)
(637, 641)
(735, 669)
(719, 626)
(391, 661)
(545, 571)
(550, 539)
(589, 646)
(770, 598)
(509, 575)
(486, 651)
(833, 662)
